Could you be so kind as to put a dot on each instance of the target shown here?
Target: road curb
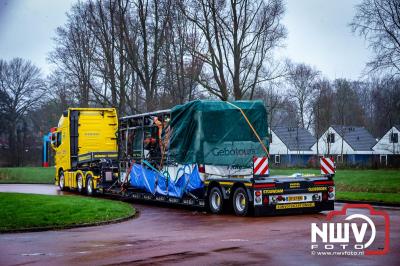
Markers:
(57, 228)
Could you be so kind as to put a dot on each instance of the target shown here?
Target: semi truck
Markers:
(85, 145)
(210, 154)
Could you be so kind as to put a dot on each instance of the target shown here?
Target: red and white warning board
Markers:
(260, 166)
(327, 166)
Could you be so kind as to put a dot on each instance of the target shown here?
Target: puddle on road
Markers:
(99, 245)
(83, 252)
(235, 240)
(33, 254)
(51, 254)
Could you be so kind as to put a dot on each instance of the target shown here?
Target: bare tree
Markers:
(301, 79)
(62, 91)
(144, 39)
(74, 52)
(347, 110)
(106, 23)
(385, 103)
(272, 100)
(181, 67)
(238, 39)
(379, 22)
(137, 54)
(23, 87)
(322, 106)
(285, 114)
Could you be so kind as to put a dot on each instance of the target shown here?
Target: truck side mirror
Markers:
(53, 140)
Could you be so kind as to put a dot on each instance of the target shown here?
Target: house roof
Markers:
(357, 137)
(397, 126)
(296, 139)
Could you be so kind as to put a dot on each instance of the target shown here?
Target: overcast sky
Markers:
(318, 34)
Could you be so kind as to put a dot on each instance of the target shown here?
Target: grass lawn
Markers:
(27, 175)
(21, 211)
(358, 184)
(369, 196)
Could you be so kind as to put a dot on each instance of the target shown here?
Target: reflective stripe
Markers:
(295, 205)
(327, 166)
(261, 166)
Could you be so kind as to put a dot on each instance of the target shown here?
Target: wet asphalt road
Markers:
(33, 188)
(173, 235)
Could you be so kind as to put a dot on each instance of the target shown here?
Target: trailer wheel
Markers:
(240, 202)
(215, 200)
(79, 182)
(61, 181)
(89, 186)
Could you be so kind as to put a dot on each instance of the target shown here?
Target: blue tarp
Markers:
(151, 181)
(143, 178)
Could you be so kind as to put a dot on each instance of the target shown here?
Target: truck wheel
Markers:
(89, 186)
(215, 200)
(61, 181)
(79, 183)
(240, 202)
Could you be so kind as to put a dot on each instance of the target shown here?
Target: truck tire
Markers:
(215, 200)
(89, 186)
(79, 182)
(240, 202)
(61, 180)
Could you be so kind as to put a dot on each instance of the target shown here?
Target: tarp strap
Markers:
(153, 168)
(251, 126)
(164, 146)
(127, 176)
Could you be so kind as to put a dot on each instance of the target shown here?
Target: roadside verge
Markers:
(31, 212)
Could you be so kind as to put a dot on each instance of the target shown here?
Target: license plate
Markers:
(295, 198)
(292, 198)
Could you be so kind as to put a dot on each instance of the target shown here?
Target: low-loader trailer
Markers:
(204, 153)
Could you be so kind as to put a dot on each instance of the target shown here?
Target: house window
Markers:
(270, 138)
(331, 138)
(394, 137)
(277, 159)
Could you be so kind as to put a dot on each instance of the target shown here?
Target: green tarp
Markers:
(215, 132)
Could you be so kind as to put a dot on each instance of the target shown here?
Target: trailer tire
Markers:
(89, 186)
(215, 200)
(79, 182)
(240, 201)
(61, 180)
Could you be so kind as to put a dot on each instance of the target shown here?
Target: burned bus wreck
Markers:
(204, 153)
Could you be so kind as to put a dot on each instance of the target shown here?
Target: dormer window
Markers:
(394, 138)
(331, 137)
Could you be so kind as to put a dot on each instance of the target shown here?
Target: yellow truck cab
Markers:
(85, 145)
